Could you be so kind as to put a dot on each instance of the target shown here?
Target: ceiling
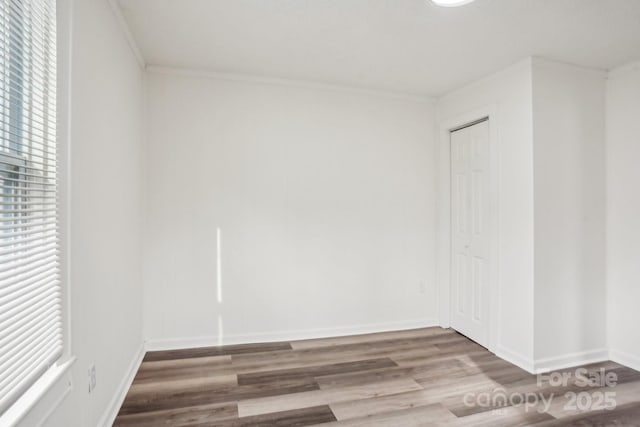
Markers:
(408, 46)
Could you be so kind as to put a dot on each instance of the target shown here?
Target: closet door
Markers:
(470, 231)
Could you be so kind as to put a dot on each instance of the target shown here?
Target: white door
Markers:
(470, 245)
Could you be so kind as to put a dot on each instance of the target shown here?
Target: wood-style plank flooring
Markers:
(422, 377)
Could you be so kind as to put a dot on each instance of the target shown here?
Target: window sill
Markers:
(46, 394)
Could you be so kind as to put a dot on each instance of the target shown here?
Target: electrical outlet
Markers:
(92, 378)
(423, 287)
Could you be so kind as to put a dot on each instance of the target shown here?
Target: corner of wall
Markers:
(111, 412)
(622, 208)
(131, 41)
(516, 358)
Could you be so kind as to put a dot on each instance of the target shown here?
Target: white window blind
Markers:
(30, 294)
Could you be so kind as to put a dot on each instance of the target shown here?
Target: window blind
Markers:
(30, 293)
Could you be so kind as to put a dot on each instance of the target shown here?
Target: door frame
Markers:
(443, 218)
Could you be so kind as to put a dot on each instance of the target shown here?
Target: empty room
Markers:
(319, 213)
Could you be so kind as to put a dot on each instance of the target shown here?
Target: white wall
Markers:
(105, 212)
(569, 136)
(510, 92)
(325, 203)
(623, 213)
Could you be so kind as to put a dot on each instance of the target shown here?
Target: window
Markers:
(30, 292)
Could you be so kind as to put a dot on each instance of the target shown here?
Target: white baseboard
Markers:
(625, 359)
(111, 412)
(195, 342)
(515, 358)
(571, 360)
(554, 363)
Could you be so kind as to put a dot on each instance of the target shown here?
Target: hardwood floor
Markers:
(422, 377)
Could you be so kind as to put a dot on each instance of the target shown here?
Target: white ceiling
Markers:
(407, 46)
